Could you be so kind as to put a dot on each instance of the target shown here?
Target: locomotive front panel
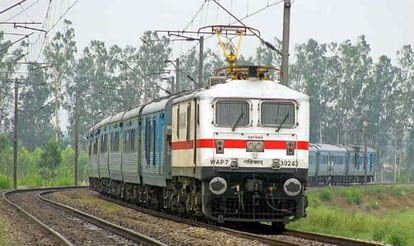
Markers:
(252, 157)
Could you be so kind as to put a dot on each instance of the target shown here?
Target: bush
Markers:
(352, 196)
(398, 239)
(378, 235)
(325, 195)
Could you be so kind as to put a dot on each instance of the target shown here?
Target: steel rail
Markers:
(337, 240)
(330, 239)
(116, 229)
(59, 237)
(233, 232)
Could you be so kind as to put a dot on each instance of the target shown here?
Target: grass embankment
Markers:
(380, 213)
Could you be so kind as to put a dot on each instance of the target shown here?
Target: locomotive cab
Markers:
(246, 141)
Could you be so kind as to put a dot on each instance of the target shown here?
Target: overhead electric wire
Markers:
(248, 15)
(63, 15)
(27, 14)
(45, 20)
(269, 45)
(195, 16)
(54, 25)
(259, 10)
(14, 5)
(31, 5)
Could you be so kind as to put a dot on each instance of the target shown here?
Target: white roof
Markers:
(155, 106)
(117, 117)
(131, 113)
(103, 122)
(253, 88)
(330, 147)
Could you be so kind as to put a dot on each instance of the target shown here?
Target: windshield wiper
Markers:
(237, 121)
(283, 122)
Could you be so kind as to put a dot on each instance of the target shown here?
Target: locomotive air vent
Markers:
(214, 80)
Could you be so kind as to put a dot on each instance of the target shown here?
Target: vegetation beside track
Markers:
(377, 212)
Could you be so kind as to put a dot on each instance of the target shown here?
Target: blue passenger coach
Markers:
(339, 164)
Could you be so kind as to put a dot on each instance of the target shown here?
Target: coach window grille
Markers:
(278, 114)
(178, 122)
(154, 141)
(95, 147)
(132, 141)
(232, 113)
(103, 143)
(126, 141)
(188, 121)
(115, 142)
(147, 140)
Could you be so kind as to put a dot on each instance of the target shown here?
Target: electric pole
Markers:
(16, 100)
(76, 135)
(285, 43)
(201, 61)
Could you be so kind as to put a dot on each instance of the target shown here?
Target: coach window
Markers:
(178, 122)
(232, 113)
(277, 114)
(126, 141)
(154, 140)
(115, 142)
(147, 146)
(90, 147)
(132, 136)
(188, 120)
(95, 147)
(104, 143)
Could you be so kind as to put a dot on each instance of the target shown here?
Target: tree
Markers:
(309, 75)
(406, 103)
(8, 66)
(61, 53)
(50, 160)
(151, 57)
(35, 113)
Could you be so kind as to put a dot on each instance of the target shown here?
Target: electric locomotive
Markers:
(236, 150)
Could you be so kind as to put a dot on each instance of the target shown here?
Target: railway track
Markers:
(290, 237)
(69, 226)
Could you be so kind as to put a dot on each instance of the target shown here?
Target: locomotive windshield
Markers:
(232, 113)
(278, 114)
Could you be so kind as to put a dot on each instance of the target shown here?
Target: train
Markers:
(236, 150)
(340, 164)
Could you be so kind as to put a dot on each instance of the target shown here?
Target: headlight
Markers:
(292, 187)
(254, 146)
(218, 185)
(259, 146)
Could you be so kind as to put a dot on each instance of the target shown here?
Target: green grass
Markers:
(352, 196)
(362, 213)
(5, 182)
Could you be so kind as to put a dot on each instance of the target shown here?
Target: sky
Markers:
(387, 24)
